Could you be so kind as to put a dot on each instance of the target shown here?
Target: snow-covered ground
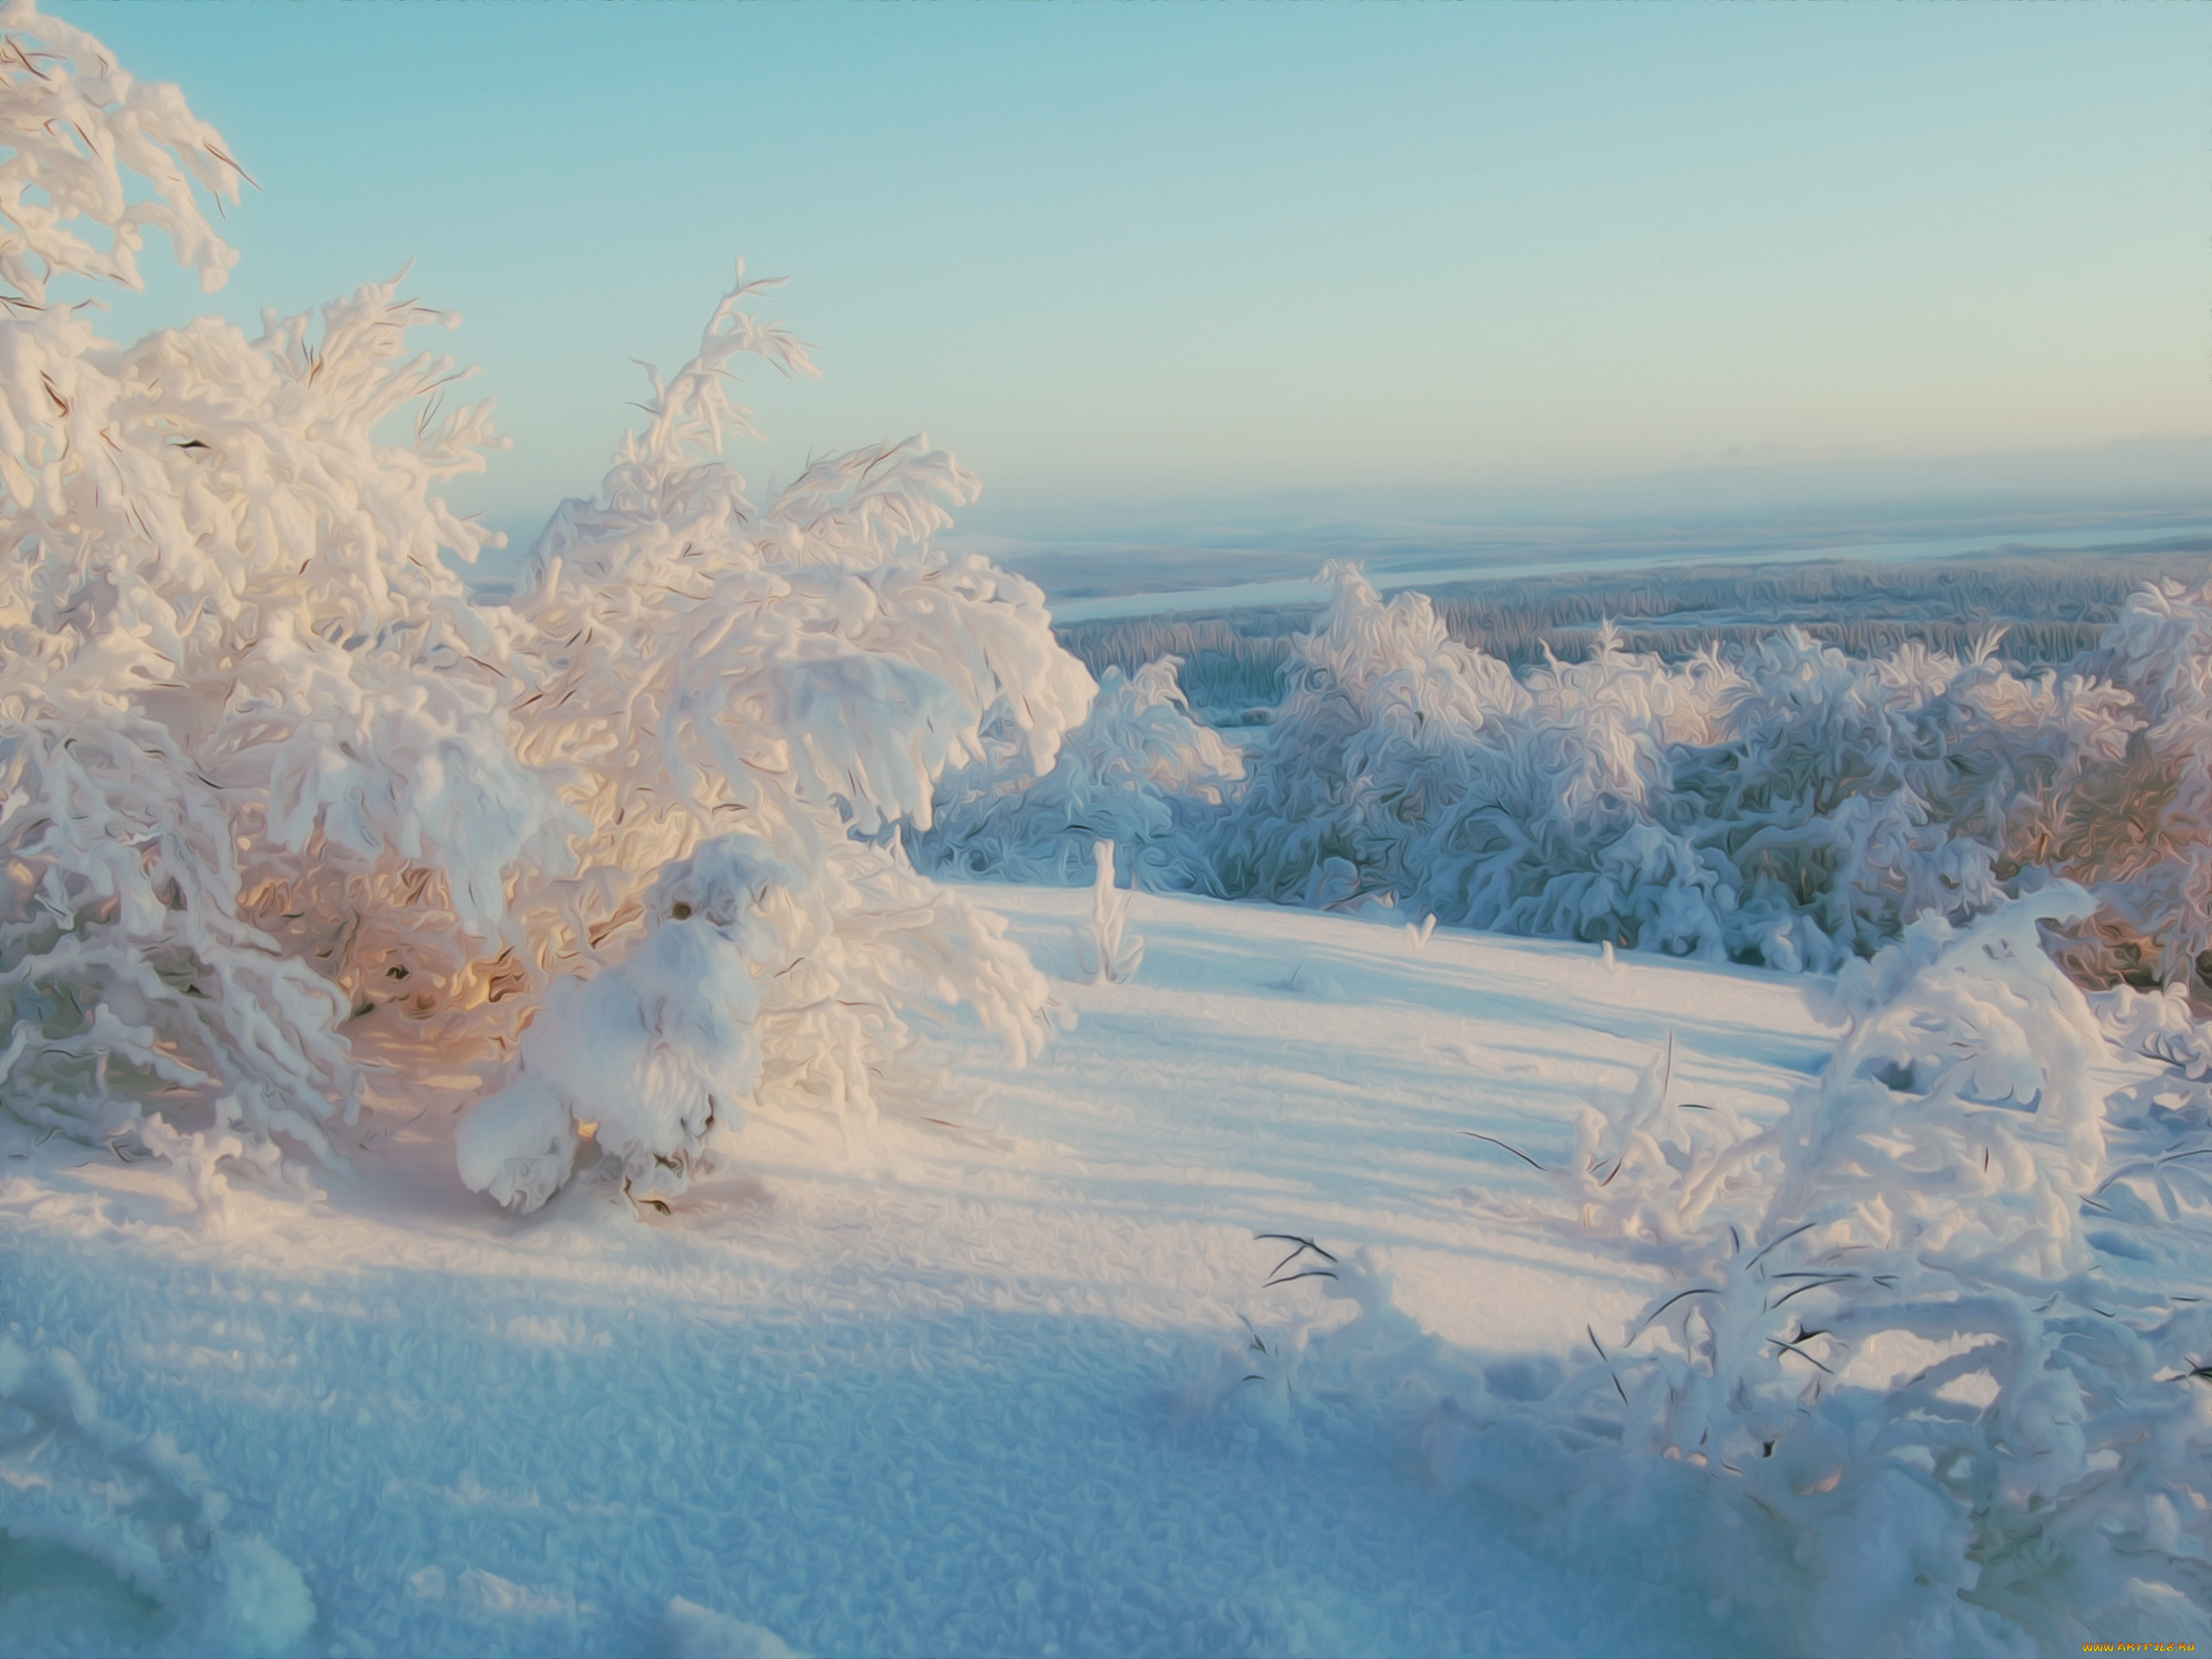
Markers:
(976, 1388)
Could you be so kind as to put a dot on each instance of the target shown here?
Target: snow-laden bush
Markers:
(734, 699)
(1893, 1328)
(264, 766)
(1796, 807)
(1847, 796)
(251, 728)
(1899, 1397)
(2138, 829)
(1431, 771)
(1139, 772)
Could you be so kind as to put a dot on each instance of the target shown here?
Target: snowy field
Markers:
(1012, 1385)
(969, 1390)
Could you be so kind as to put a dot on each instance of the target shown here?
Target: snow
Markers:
(951, 1390)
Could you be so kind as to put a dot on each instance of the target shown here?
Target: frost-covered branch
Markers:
(77, 128)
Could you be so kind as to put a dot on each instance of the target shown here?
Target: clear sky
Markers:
(1129, 253)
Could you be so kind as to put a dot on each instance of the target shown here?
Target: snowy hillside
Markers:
(1014, 1384)
(962, 1390)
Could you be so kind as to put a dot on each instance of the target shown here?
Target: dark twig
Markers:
(1832, 1279)
(1495, 1142)
(1779, 1342)
(1801, 1227)
(1611, 1373)
(1303, 1245)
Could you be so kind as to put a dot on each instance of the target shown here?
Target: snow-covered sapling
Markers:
(1105, 953)
(1140, 771)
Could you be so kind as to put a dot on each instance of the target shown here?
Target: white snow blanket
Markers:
(1018, 1380)
(955, 1390)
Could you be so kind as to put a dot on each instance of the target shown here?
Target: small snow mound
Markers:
(517, 1145)
(262, 1605)
(702, 1633)
(653, 1051)
(71, 1478)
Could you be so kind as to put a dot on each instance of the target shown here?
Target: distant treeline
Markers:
(2052, 607)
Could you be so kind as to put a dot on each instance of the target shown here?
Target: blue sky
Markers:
(1119, 255)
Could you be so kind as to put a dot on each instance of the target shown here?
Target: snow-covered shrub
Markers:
(1918, 1385)
(734, 699)
(2138, 829)
(1429, 771)
(1796, 808)
(1382, 710)
(251, 728)
(1139, 772)
(1893, 1335)
(1846, 796)
(266, 765)
(652, 1049)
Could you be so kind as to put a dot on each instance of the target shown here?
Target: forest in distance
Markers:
(2050, 607)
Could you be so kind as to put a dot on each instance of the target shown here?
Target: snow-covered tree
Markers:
(264, 764)
(1139, 772)
(742, 696)
(252, 731)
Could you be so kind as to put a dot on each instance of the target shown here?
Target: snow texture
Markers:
(82, 1485)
